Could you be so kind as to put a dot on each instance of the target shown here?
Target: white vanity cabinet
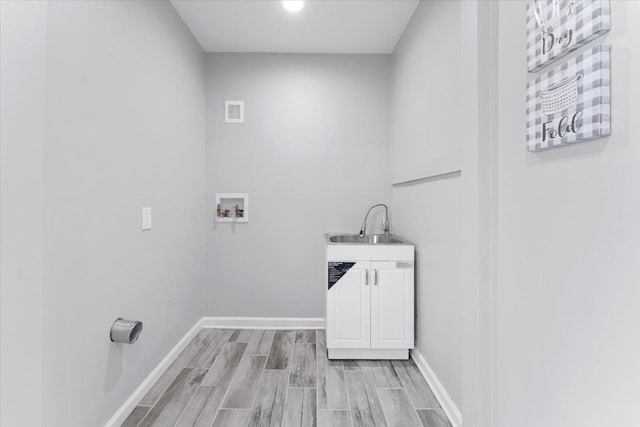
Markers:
(370, 302)
(392, 305)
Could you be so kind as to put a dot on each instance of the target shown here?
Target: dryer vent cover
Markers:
(234, 111)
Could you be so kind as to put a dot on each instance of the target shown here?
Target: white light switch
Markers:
(146, 219)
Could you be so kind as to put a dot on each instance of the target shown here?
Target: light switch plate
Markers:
(146, 219)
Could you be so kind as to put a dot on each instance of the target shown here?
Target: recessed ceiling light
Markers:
(293, 5)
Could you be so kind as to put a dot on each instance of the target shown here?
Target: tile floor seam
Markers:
(253, 404)
(200, 386)
(227, 388)
(189, 402)
(224, 396)
(317, 378)
(255, 397)
(286, 399)
(344, 376)
(384, 417)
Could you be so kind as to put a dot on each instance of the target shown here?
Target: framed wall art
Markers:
(556, 27)
(570, 103)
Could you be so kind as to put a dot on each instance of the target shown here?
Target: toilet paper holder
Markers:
(125, 331)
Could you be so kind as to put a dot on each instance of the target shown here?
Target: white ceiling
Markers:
(323, 26)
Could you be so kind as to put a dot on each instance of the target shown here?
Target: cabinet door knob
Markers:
(375, 277)
(366, 277)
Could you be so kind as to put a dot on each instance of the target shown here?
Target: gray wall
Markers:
(124, 129)
(426, 93)
(313, 156)
(568, 351)
(424, 141)
(22, 127)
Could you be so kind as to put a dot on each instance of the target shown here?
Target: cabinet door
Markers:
(349, 306)
(392, 305)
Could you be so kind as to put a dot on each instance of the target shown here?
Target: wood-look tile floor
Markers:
(248, 378)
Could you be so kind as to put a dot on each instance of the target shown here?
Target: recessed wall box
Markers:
(232, 207)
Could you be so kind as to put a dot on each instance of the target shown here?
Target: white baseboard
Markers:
(449, 408)
(209, 322)
(264, 322)
(123, 412)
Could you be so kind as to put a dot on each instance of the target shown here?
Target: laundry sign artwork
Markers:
(556, 27)
(572, 102)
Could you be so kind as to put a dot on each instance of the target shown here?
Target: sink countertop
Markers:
(341, 252)
(402, 242)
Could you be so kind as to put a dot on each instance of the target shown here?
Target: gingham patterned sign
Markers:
(556, 27)
(571, 103)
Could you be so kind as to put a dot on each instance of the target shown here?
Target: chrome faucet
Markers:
(385, 220)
